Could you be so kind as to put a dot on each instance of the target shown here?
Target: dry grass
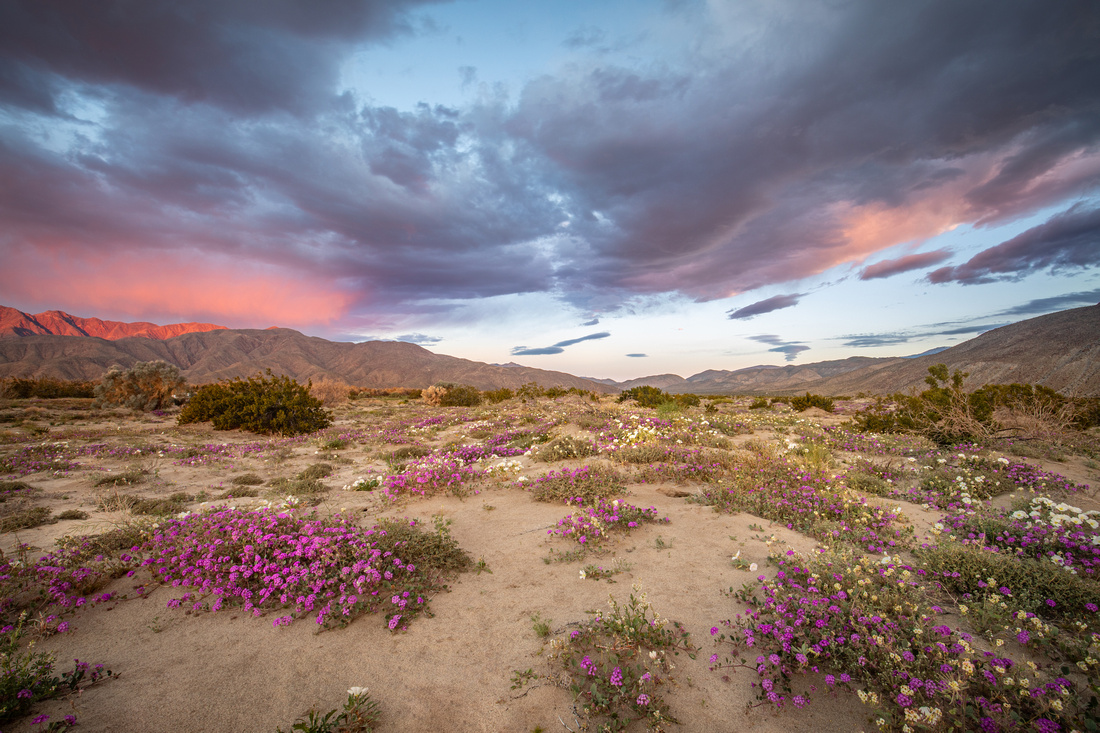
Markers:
(331, 391)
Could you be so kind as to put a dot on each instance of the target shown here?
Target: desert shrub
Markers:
(147, 385)
(1035, 586)
(812, 400)
(129, 477)
(563, 448)
(73, 514)
(944, 412)
(331, 391)
(317, 470)
(645, 396)
(246, 479)
(587, 483)
(159, 506)
(592, 421)
(407, 452)
(297, 486)
(461, 395)
(259, 404)
(18, 388)
(530, 391)
(9, 489)
(430, 550)
(447, 394)
(555, 392)
(498, 395)
(26, 519)
(687, 400)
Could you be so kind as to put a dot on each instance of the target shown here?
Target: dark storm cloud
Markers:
(557, 348)
(1058, 302)
(245, 55)
(216, 127)
(887, 268)
(885, 106)
(1068, 240)
(767, 305)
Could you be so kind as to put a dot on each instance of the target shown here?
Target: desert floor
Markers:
(227, 671)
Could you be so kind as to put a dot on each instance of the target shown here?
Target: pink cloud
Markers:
(171, 285)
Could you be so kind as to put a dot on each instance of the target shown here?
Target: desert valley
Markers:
(827, 548)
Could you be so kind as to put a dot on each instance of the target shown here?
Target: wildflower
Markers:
(617, 677)
(643, 699)
(357, 691)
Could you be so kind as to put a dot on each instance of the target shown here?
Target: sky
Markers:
(607, 188)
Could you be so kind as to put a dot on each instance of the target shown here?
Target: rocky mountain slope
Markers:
(59, 323)
(224, 354)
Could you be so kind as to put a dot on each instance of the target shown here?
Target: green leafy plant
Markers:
(27, 676)
(801, 404)
(645, 396)
(618, 661)
(259, 404)
(360, 715)
(541, 626)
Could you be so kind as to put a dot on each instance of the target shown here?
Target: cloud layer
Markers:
(168, 138)
(557, 348)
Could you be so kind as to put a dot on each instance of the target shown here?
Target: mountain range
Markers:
(1060, 350)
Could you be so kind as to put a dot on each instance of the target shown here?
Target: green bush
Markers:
(460, 395)
(498, 395)
(147, 385)
(645, 396)
(801, 404)
(760, 403)
(259, 404)
(687, 400)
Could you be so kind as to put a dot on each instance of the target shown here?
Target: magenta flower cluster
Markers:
(592, 523)
(264, 560)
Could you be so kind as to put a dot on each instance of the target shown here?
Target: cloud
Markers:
(1067, 240)
(418, 338)
(771, 147)
(593, 322)
(872, 340)
(249, 57)
(767, 305)
(893, 338)
(637, 356)
(557, 348)
(1056, 303)
(584, 36)
(790, 349)
(887, 268)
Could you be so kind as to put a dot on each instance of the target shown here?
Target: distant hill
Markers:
(1059, 350)
(224, 354)
(775, 379)
(59, 323)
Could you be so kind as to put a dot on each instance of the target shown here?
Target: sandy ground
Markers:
(228, 672)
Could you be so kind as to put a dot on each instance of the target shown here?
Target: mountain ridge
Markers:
(1059, 350)
(16, 323)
